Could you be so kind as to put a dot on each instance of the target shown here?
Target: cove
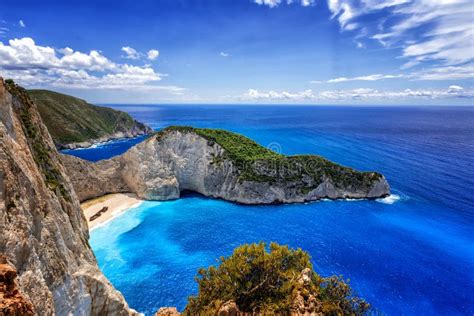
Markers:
(152, 253)
(414, 256)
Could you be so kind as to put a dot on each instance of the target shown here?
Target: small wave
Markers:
(354, 200)
(392, 198)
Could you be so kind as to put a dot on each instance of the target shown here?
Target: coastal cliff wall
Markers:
(44, 235)
(183, 158)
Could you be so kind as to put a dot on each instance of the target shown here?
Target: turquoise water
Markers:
(412, 255)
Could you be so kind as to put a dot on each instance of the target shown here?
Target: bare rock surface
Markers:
(178, 159)
(44, 235)
(167, 311)
(12, 301)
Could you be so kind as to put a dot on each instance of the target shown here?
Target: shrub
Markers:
(9, 81)
(267, 280)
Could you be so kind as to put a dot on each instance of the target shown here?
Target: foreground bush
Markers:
(271, 280)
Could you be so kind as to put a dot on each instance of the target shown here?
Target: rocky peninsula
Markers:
(219, 164)
(74, 123)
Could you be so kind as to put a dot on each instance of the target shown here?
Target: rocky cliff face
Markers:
(44, 234)
(179, 159)
(12, 301)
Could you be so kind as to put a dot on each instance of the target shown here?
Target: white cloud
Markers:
(153, 54)
(224, 54)
(359, 94)
(35, 65)
(455, 88)
(270, 3)
(307, 3)
(426, 30)
(93, 61)
(23, 53)
(275, 3)
(22, 24)
(272, 95)
(374, 77)
(131, 53)
(465, 71)
(439, 31)
(347, 10)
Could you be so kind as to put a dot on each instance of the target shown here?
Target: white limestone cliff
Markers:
(44, 235)
(176, 160)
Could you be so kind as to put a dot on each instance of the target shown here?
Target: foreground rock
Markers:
(44, 234)
(167, 311)
(219, 164)
(12, 301)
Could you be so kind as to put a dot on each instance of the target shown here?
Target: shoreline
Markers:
(96, 142)
(109, 206)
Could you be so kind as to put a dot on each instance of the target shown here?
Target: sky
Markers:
(243, 51)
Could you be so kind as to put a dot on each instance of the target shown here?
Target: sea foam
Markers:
(392, 198)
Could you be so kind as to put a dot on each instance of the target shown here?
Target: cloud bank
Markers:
(451, 92)
(438, 34)
(36, 65)
(426, 30)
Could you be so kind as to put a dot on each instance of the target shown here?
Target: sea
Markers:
(411, 253)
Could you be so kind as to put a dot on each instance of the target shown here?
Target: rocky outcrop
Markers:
(167, 311)
(183, 158)
(12, 301)
(305, 302)
(44, 234)
(229, 308)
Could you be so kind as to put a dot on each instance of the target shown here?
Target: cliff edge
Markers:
(219, 164)
(44, 235)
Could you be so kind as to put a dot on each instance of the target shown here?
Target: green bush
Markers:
(9, 81)
(265, 280)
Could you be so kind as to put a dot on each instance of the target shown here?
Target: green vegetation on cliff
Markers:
(42, 153)
(237, 147)
(271, 280)
(260, 164)
(72, 120)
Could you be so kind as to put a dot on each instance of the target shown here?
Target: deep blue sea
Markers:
(411, 255)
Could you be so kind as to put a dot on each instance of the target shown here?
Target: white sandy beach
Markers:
(117, 203)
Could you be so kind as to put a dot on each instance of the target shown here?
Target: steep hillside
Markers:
(73, 122)
(44, 235)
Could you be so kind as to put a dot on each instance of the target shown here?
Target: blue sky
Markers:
(243, 51)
